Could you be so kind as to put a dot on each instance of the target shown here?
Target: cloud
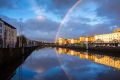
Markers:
(57, 74)
(54, 7)
(13, 4)
(61, 4)
(41, 28)
(92, 17)
(89, 18)
(6, 4)
(76, 29)
(37, 29)
(48, 60)
(41, 18)
(108, 8)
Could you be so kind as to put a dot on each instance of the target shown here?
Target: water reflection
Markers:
(47, 64)
(101, 59)
(12, 58)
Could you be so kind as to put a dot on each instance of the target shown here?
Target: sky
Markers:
(43, 19)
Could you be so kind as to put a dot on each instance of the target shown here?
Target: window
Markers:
(0, 36)
(0, 24)
(0, 30)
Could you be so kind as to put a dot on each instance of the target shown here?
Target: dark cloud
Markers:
(77, 29)
(58, 7)
(41, 29)
(62, 4)
(109, 8)
(44, 25)
(7, 4)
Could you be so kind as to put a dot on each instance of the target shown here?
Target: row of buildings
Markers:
(113, 37)
(22, 41)
(9, 38)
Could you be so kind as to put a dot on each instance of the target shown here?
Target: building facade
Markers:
(116, 30)
(82, 39)
(91, 39)
(1, 33)
(8, 35)
(108, 38)
(60, 41)
(72, 41)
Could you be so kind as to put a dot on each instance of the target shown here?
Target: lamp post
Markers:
(20, 45)
(20, 33)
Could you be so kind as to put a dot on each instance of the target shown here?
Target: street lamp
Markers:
(20, 33)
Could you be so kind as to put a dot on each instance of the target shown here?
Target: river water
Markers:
(64, 64)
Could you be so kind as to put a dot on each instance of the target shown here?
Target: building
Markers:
(116, 30)
(91, 39)
(1, 34)
(61, 41)
(110, 39)
(8, 35)
(113, 37)
(30, 43)
(82, 39)
(73, 41)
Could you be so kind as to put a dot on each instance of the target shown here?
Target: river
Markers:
(64, 64)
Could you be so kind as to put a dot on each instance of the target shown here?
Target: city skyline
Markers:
(41, 18)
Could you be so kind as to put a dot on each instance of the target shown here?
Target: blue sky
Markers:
(41, 18)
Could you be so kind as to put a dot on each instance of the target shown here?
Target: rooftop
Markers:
(116, 30)
(7, 23)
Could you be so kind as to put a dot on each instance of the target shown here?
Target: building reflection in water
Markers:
(98, 58)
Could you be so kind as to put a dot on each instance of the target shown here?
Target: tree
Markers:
(21, 41)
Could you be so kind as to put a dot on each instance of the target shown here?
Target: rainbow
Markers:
(36, 9)
(66, 17)
(61, 26)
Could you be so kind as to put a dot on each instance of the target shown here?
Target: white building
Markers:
(109, 38)
(8, 35)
